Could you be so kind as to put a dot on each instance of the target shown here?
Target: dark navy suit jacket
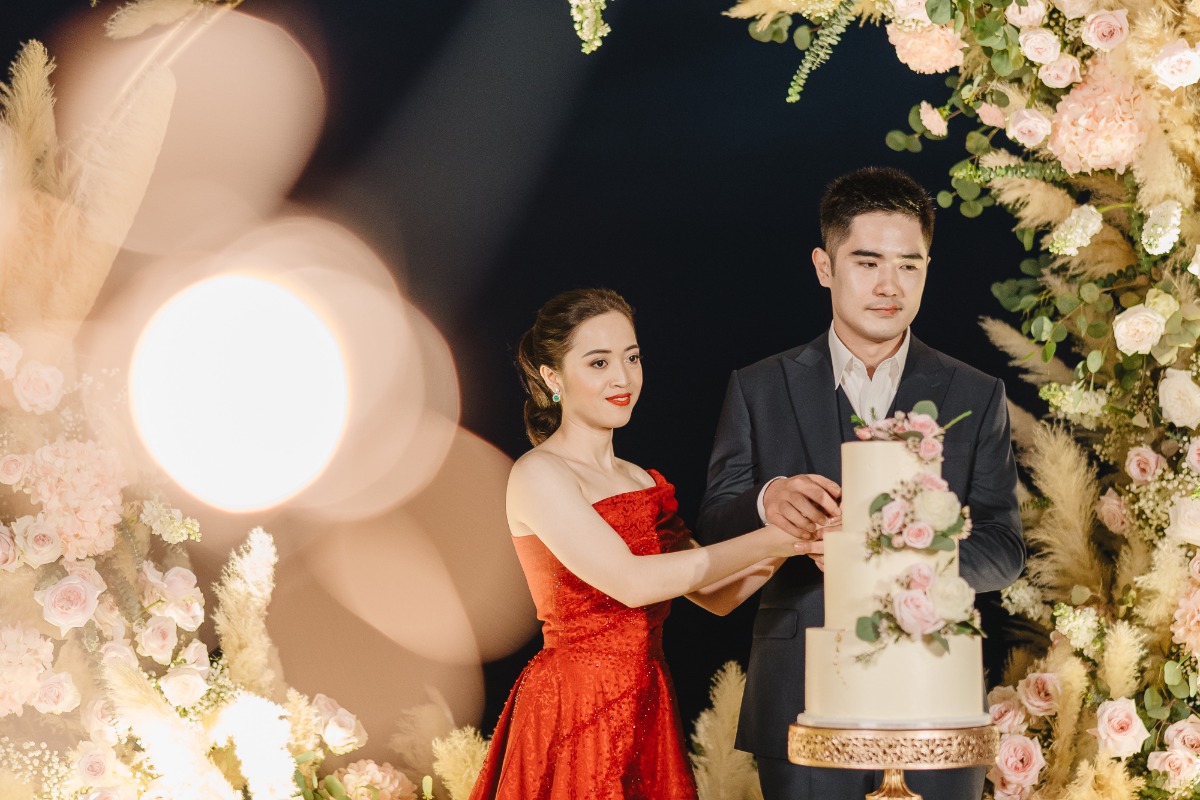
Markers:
(781, 418)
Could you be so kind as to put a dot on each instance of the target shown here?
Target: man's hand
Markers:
(803, 505)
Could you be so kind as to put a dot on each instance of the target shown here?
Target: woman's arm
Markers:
(544, 498)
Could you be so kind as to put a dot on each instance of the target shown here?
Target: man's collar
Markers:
(842, 357)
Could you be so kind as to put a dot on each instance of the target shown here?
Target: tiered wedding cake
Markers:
(900, 647)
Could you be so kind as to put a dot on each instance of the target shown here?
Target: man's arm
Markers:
(994, 554)
(730, 505)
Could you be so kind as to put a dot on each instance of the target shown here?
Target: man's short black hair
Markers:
(870, 189)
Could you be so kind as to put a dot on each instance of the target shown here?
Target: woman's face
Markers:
(601, 375)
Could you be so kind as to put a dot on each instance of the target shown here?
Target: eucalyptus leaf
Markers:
(1172, 673)
(945, 199)
(977, 143)
(1066, 304)
(1041, 328)
(1098, 329)
(971, 209)
(879, 502)
(1095, 360)
(967, 190)
(914, 144)
(942, 543)
(1002, 63)
(1049, 350)
(1059, 333)
(1080, 595)
(802, 37)
(897, 140)
(927, 407)
(865, 629)
(1089, 293)
(940, 11)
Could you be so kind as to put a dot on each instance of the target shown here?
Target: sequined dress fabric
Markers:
(593, 715)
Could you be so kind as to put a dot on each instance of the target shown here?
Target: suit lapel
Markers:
(814, 402)
(924, 378)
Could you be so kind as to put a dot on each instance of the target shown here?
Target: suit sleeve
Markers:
(994, 554)
(730, 505)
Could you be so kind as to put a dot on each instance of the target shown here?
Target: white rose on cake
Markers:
(953, 598)
(940, 509)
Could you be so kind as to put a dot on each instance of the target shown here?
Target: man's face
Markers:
(876, 277)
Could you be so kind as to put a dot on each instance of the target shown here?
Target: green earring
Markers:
(555, 397)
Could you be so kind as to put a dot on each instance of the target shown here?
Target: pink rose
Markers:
(1143, 464)
(918, 535)
(1028, 126)
(1104, 30)
(931, 482)
(920, 576)
(933, 120)
(10, 559)
(1193, 455)
(1194, 569)
(923, 424)
(929, 449)
(68, 603)
(183, 686)
(38, 542)
(157, 639)
(1181, 768)
(94, 763)
(1061, 72)
(12, 469)
(1185, 624)
(56, 693)
(1119, 728)
(1040, 45)
(864, 434)
(910, 9)
(1006, 711)
(1177, 65)
(109, 618)
(99, 722)
(1004, 789)
(118, 652)
(1073, 9)
(1019, 759)
(1030, 15)
(893, 514)
(992, 114)
(38, 387)
(195, 655)
(1184, 735)
(10, 356)
(1040, 691)
(915, 613)
(1113, 512)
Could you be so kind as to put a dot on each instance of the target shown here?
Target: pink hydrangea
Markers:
(1185, 627)
(927, 49)
(933, 120)
(366, 780)
(1101, 123)
(78, 485)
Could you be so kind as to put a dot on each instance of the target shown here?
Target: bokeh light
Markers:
(238, 390)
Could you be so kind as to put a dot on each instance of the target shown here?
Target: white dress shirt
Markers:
(869, 396)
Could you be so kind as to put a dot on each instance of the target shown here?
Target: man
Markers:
(777, 458)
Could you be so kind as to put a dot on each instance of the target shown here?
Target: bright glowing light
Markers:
(239, 391)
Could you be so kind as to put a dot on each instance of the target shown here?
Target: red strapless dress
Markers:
(593, 715)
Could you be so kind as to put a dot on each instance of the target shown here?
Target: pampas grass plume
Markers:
(416, 729)
(1161, 587)
(1121, 663)
(259, 732)
(722, 771)
(139, 16)
(458, 758)
(1074, 682)
(1025, 355)
(241, 616)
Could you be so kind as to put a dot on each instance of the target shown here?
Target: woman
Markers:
(593, 715)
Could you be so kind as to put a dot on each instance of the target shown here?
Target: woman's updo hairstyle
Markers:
(547, 343)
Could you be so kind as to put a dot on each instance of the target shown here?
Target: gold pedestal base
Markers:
(892, 751)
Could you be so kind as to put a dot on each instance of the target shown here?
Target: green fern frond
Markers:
(818, 53)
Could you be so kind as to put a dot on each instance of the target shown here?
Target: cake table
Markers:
(891, 750)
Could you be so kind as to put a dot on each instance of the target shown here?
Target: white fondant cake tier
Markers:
(906, 684)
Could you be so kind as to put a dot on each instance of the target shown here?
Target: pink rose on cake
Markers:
(893, 515)
(920, 576)
(1119, 729)
(931, 482)
(930, 449)
(915, 613)
(918, 535)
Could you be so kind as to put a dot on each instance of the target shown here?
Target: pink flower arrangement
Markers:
(1113, 512)
(1039, 693)
(1019, 760)
(1119, 729)
(1179, 768)
(366, 780)
(1185, 627)
(1101, 123)
(1143, 464)
(933, 120)
(927, 49)
(1006, 710)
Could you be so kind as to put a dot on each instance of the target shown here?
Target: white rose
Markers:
(12, 469)
(1119, 729)
(1177, 65)
(1184, 735)
(910, 9)
(38, 542)
(1104, 30)
(343, 732)
(99, 721)
(10, 557)
(10, 356)
(325, 707)
(1073, 9)
(1061, 72)
(109, 618)
(1179, 397)
(118, 652)
(183, 686)
(939, 509)
(953, 598)
(56, 693)
(94, 763)
(1185, 520)
(157, 639)
(1030, 15)
(1138, 329)
(1040, 45)
(38, 387)
(1028, 126)
(195, 655)
(68, 603)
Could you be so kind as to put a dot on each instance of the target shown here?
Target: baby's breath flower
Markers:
(1081, 626)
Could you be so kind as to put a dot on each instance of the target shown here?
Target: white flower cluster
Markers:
(26, 677)
(1161, 231)
(1152, 501)
(1076, 231)
(1076, 403)
(169, 523)
(589, 22)
(1025, 599)
(1081, 627)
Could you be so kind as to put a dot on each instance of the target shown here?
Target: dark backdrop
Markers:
(477, 149)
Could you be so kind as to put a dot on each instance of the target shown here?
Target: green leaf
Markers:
(1180, 690)
(1151, 699)
(1025, 237)
(305, 757)
(1098, 329)
(945, 199)
(1065, 304)
(1172, 673)
(942, 543)
(1080, 595)
(914, 144)
(1159, 713)
(967, 190)
(866, 630)
(1129, 380)
(927, 407)
(1049, 350)
(1002, 63)
(998, 98)
(1030, 266)
(977, 143)
(1041, 328)
(971, 209)
(1104, 304)
(1130, 299)
(766, 34)
(914, 119)
(1193, 687)
(1089, 293)
(427, 787)
(1095, 360)
(802, 37)
(879, 502)
(957, 526)
(938, 645)
(334, 787)
(1059, 333)
(940, 11)
(897, 140)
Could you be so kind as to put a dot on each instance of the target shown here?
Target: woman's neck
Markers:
(592, 447)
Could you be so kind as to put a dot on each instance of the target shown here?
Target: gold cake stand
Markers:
(892, 751)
